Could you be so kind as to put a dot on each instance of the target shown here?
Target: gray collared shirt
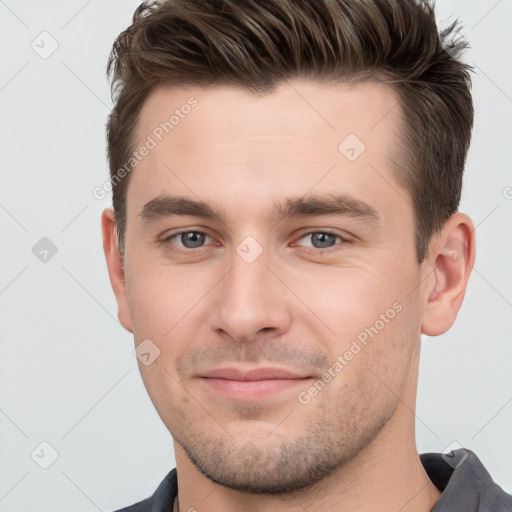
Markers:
(465, 484)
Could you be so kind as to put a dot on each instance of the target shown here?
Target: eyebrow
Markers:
(165, 206)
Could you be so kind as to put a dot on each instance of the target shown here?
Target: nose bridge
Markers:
(250, 297)
(250, 270)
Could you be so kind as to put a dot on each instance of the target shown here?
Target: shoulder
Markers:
(464, 482)
(161, 500)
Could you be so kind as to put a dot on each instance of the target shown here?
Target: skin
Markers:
(352, 446)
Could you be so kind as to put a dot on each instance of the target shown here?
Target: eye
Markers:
(323, 241)
(188, 239)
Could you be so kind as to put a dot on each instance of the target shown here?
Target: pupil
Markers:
(324, 238)
(192, 239)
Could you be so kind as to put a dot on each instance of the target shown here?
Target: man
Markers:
(286, 176)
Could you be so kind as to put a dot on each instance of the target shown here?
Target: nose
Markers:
(251, 299)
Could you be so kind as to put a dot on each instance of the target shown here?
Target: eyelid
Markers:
(322, 230)
(168, 233)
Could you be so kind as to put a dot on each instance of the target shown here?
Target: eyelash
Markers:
(329, 250)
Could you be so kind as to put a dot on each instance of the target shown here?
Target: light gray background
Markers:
(67, 370)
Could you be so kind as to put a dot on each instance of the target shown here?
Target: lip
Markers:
(254, 384)
(263, 373)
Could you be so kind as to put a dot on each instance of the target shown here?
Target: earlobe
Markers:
(452, 257)
(115, 266)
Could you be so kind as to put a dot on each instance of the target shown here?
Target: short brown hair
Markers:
(258, 44)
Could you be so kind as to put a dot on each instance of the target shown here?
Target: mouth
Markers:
(254, 384)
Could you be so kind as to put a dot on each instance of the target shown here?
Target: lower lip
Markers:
(253, 389)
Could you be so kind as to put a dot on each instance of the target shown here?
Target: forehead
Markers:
(296, 108)
(224, 142)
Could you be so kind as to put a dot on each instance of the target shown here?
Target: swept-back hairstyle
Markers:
(258, 44)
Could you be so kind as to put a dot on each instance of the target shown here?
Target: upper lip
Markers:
(263, 373)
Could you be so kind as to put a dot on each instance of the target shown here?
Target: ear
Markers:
(451, 258)
(115, 267)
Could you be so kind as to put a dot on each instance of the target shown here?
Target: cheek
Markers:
(376, 362)
(368, 326)
(351, 302)
(161, 298)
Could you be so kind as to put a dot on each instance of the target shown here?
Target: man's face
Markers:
(331, 297)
